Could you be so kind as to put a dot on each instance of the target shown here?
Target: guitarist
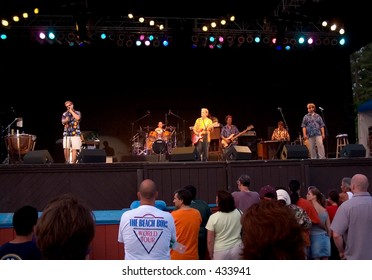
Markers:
(202, 134)
(227, 132)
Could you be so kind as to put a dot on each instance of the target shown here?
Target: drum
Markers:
(152, 136)
(159, 147)
(166, 135)
(148, 144)
(18, 145)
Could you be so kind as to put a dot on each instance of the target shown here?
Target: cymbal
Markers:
(147, 128)
(169, 127)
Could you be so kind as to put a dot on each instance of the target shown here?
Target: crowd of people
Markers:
(268, 224)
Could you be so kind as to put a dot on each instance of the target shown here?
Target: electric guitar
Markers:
(196, 137)
(226, 143)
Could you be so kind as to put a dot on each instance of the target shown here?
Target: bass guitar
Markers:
(226, 143)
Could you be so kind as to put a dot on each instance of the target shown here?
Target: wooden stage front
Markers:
(112, 186)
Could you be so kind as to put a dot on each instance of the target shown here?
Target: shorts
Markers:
(73, 142)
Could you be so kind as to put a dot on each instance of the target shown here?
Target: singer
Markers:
(313, 129)
(71, 133)
(281, 135)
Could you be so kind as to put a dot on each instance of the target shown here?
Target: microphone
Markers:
(279, 108)
(19, 122)
(148, 112)
(321, 108)
(11, 107)
(170, 112)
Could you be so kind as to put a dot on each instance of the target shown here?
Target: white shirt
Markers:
(146, 233)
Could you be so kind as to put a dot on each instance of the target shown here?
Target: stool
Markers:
(342, 141)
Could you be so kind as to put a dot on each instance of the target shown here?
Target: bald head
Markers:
(147, 191)
(359, 183)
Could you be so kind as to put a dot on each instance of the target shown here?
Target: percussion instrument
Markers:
(152, 136)
(159, 147)
(166, 135)
(18, 145)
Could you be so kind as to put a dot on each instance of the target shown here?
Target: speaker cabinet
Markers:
(238, 153)
(92, 155)
(294, 151)
(353, 150)
(38, 156)
(251, 143)
(183, 154)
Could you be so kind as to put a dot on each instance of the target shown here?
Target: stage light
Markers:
(310, 41)
(257, 39)
(301, 40)
(342, 41)
(51, 36)
(3, 36)
(165, 43)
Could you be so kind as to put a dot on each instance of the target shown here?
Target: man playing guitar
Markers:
(202, 138)
(228, 131)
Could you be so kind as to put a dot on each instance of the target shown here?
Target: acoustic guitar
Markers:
(226, 143)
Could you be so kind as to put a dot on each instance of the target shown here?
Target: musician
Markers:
(228, 131)
(71, 132)
(202, 134)
(280, 134)
(160, 130)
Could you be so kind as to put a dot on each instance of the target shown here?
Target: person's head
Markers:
(182, 197)
(65, 229)
(192, 190)
(311, 107)
(69, 104)
(160, 125)
(244, 181)
(280, 124)
(204, 112)
(333, 197)
(345, 184)
(268, 192)
(225, 201)
(294, 189)
(228, 119)
(359, 183)
(314, 193)
(24, 220)
(282, 195)
(271, 232)
(147, 192)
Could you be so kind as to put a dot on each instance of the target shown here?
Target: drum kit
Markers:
(148, 141)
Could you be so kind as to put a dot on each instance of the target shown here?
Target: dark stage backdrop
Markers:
(115, 87)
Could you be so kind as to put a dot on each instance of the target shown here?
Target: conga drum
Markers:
(18, 145)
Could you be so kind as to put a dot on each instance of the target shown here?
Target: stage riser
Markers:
(113, 186)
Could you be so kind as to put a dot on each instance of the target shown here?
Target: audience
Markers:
(205, 212)
(224, 228)
(65, 229)
(23, 246)
(345, 193)
(271, 232)
(187, 221)
(146, 231)
(352, 226)
(244, 198)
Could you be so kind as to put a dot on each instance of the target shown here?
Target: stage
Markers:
(113, 186)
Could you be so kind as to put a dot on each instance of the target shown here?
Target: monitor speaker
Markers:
(238, 153)
(38, 156)
(353, 150)
(92, 155)
(183, 154)
(294, 151)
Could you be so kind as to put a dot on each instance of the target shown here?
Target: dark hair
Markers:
(184, 195)
(271, 232)
(226, 201)
(334, 196)
(294, 186)
(228, 116)
(245, 180)
(192, 190)
(24, 220)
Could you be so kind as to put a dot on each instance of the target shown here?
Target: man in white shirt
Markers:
(146, 231)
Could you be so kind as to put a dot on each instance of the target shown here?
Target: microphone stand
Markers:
(285, 123)
(137, 120)
(184, 121)
(326, 129)
(7, 160)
